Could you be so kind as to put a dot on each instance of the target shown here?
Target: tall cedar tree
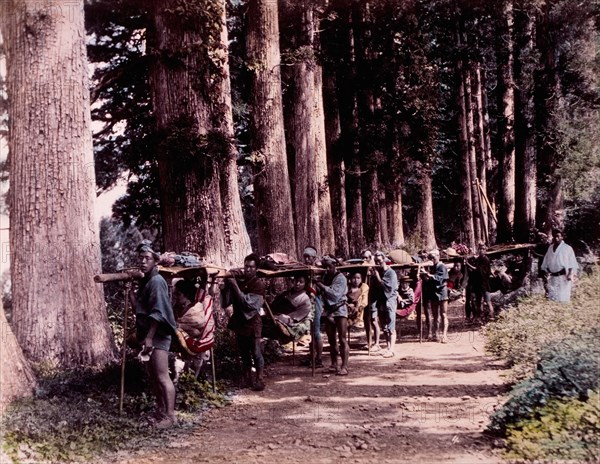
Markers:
(506, 120)
(525, 155)
(191, 97)
(336, 167)
(271, 182)
(301, 120)
(59, 314)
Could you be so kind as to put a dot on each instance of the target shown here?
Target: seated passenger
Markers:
(406, 295)
(291, 308)
(194, 322)
(358, 299)
(293, 305)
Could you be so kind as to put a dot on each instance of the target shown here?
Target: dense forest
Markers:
(264, 125)
(351, 124)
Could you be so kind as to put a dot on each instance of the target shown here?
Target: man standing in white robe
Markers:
(561, 266)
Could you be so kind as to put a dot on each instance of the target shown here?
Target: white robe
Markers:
(559, 288)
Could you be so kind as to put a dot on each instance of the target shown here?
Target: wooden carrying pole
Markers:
(127, 276)
(124, 349)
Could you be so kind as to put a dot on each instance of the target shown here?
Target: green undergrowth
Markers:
(74, 416)
(563, 430)
(521, 332)
(552, 412)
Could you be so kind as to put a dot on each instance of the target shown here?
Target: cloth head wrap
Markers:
(433, 254)
(309, 251)
(327, 259)
(146, 247)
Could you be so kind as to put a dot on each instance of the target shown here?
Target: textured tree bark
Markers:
(425, 227)
(196, 156)
(466, 202)
(300, 122)
(506, 122)
(548, 103)
(480, 143)
(383, 219)
(348, 140)
(16, 377)
(366, 118)
(59, 314)
(525, 156)
(335, 162)
(271, 184)
(325, 212)
(479, 235)
(237, 240)
(394, 216)
(489, 161)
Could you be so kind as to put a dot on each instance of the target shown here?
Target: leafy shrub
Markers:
(537, 322)
(75, 417)
(561, 430)
(566, 369)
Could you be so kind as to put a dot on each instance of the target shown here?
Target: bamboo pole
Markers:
(124, 349)
(487, 201)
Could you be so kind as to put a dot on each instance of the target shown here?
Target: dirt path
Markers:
(428, 404)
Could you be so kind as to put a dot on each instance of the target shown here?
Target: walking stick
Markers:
(420, 307)
(313, 339)
(124, 349)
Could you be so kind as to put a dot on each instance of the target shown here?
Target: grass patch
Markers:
(552, 413)
(563, 430)
(74, 416)
(521, 332)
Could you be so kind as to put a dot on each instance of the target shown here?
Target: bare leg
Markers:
(435, 306)
(330, 328)
(159, 365)
(444, 316)
(375, 323)
(342, 329)
(392, 341)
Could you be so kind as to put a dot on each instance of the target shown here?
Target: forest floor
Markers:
(430, 403)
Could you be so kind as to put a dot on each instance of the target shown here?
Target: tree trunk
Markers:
(300, 123)
(480, 143)
(348, 141)
(506, 134)
(324, 190)
(196, 156)
(383, 219)
(336, 166)
(59, 315)
(548, 102)
(479, 235)
(489, 162)
(424, 227)
(525, 156)
(271, 184)
(16, 377)
(237, 240)
(366, 122)
(394, 216)
(466, 202)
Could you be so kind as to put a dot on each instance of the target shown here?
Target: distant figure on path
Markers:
(333, 290)
(560, 264)
(436, 294)
(370, 318)
(386, 284)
